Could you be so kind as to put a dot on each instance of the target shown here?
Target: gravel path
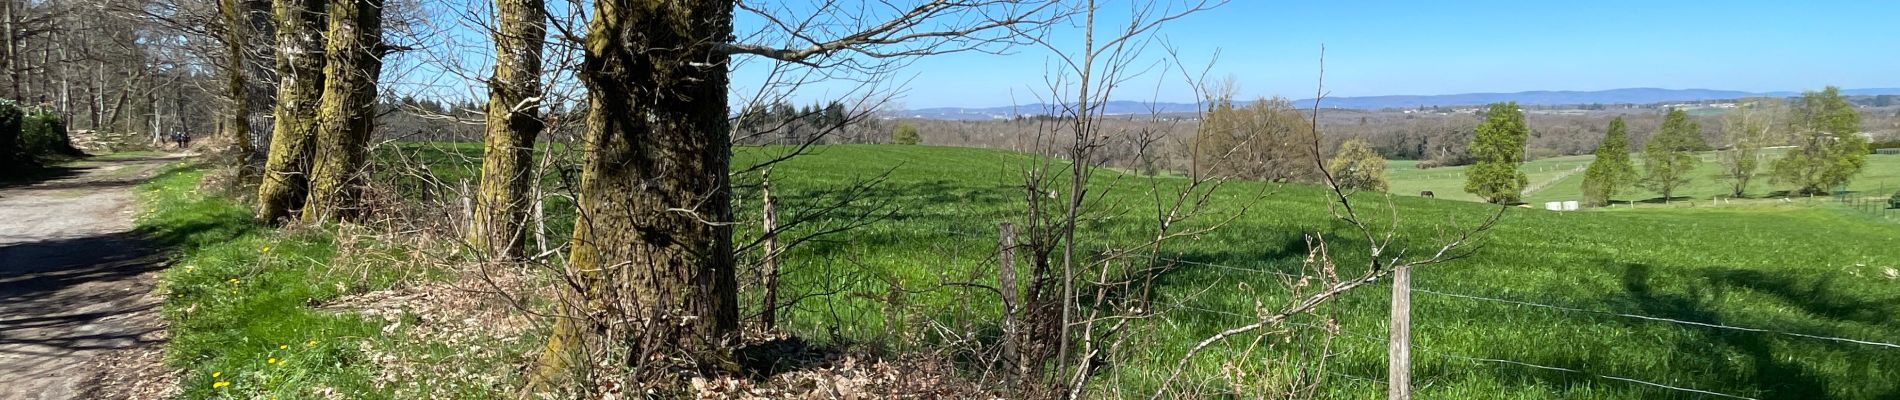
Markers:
(76, 283)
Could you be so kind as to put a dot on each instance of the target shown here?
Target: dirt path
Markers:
(75, 282)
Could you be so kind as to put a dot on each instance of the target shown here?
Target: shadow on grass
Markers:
(1759, 365)
(1662, 200)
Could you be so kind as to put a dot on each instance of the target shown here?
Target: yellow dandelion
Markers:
(220, 384)
(216, 374)
(266, 249)
(283, 346)
(234, 281)
(311, 343)
(272, 360)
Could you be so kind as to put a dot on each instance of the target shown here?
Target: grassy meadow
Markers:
(1782, 267)
(1561, 178)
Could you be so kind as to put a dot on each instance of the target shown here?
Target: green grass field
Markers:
(1806, 270)
(1561, 178)
(1787, 268)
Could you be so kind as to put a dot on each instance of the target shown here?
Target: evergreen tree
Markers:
(835, 117)
(1497, 150)
(1831, 149)
(1611, 171)
(1668, 157)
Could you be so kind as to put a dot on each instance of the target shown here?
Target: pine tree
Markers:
(1611, 171)
(1667, 157)
(1831, 149)
(1497, 151)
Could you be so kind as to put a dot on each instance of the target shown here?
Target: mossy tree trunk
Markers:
(352, 63)
(653, 241)
(300, 25)
(513, 123)
(237, 122)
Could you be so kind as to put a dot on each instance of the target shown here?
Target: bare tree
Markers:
(353, 60)
(300, 65)
(514, 121)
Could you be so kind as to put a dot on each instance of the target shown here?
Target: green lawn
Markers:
(1809, 270)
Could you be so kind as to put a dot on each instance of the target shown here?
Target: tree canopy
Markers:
(1612, 170)
(1497, 151)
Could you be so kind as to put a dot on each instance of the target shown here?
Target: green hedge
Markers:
(29, 136)
(10, 119)
(43, 134)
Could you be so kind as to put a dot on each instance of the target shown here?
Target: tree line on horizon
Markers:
(1822, 127)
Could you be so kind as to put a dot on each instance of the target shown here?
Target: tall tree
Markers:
(1747, 130)
(1831, 150)
(300, 84)
(1669, 155)
(514, 121)
(650, 240)
(1611, 171)
(237, 113)
(1497, 151)
(652, 246)
(346, 113)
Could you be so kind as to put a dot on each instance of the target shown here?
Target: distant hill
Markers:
(1538, 98)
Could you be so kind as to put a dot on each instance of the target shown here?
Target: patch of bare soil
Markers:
(78, 316)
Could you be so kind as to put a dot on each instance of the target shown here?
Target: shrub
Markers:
(906, 134)
(1894, 202)
(10, 117)
(43, 134)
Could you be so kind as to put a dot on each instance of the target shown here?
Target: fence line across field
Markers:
(1580, 310)
(1426, 350)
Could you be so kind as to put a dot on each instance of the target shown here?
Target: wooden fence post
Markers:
(769, 213)
(1399, 348)
(1006, 283)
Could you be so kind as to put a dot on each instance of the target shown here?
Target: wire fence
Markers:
(1516, 303)
(1521, 303)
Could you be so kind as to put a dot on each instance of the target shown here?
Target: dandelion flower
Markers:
(220, 384)
(283, 346)
(234, 281)
(216, 374)
(311, 343)
(266, 249)
(272, 360)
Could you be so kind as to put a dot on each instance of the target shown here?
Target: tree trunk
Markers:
(237, 124)
(653, 241)
(513, 124)
(8, 31)
(345, 114)
(768, 213)
(300, 63)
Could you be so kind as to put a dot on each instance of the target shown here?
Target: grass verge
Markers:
(240, 300)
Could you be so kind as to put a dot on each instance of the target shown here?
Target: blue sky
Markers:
(1381, 48)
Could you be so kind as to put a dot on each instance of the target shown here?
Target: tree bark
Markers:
(653, 241)
(346, 113)
(768, 213)
(513, 124)
(237, 124)
(300, 64)
(9, 17)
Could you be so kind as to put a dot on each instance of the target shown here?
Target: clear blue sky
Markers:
(1417, 47)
